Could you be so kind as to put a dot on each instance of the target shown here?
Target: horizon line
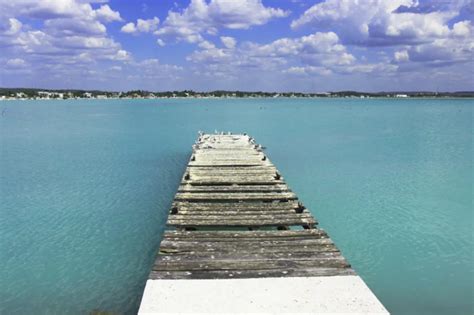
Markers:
(241, 91)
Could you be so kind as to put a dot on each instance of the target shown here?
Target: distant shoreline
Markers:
(44, 94)
(234, 98)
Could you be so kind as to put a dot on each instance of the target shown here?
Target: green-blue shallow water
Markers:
(85, 186)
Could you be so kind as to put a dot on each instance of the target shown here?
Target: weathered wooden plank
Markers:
(217, 152)
(237, 178)
(244, 153)
(194, 244)
(236, 213)
(173, 254)
(236, 162)
(224, 164)
(229, 162)
(238, 274)
(237, 235)
(222, 137)
(229, 146)
(226, 156)
(234, 188)
(239, 139)
(231, 264)
(276, 221)
(225, 147)
(237, 210)
(209, 181)
(231, 172)
(235, 140)
(267, 177)
(241, 217)
(265, 256)
(224, 247)
(241, 154)
(232, 180)
(258, 205)
(266, 166)
(258, 162)
(236, 196)
(232, 251)
(241, 206)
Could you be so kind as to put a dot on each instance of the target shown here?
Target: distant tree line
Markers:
(65, 94)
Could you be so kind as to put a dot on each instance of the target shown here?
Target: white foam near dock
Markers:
(336, 294)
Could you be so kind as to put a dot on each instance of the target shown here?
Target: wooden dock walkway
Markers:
(235, 217)
(238, 240)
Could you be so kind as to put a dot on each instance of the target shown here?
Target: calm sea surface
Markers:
(85, 186)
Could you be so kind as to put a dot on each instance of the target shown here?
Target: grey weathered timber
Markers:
(257, 221)
(234, 216)
(231, 181)
(234, 196)
(237, 206)
(229, 236)
(231, 171)
(290, 271)
(234, 188)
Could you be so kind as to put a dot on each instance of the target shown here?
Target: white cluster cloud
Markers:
(228, 42)
(320, 53)
(154, 69)
(10, 26)
(146, 74)
(420, 33)
(308, 70)
(377, 22)
(457, 46)
(106, 14)
(411, 32)
(462, 29)
(70, 46)
(72, 32)
(16, 63)
(142, 26)
(401, 56)
(202, 17)
(48, 9)
(210, 54)
(315, 49)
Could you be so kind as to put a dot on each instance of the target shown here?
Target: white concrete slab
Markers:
(338, 294)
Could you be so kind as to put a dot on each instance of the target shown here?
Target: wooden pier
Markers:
(234, 217)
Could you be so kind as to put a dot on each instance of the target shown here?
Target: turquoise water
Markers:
(85, 187)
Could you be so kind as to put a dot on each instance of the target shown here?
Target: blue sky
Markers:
(271, 45)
